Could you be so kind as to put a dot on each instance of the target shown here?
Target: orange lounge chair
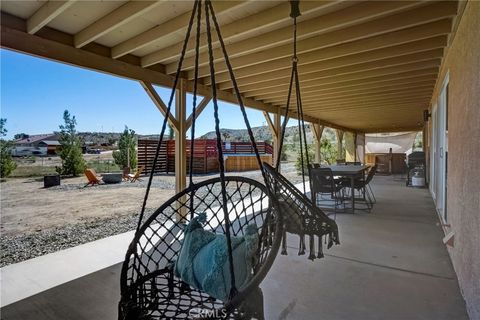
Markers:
(126, 173)
(136, 176)
(92, 177)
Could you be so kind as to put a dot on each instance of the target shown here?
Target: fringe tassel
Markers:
(330, 240)
(312, 248)
(320, 248)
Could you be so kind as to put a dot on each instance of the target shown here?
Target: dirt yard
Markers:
(28, 207)
(36, 221)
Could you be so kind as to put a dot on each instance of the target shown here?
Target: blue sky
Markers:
(35, 92)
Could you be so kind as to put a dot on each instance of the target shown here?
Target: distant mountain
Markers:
(263, 134)
(260, 133)
(100, 138)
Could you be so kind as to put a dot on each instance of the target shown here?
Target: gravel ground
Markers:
(19, 248)
(26, 245)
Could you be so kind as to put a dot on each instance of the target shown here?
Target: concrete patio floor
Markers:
(391, 264)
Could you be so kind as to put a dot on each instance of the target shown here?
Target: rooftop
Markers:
(36, 138)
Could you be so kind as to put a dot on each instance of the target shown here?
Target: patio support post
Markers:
(180, 140)
(317, 130)
(349, 145)
(339, 135)
(277, 123)
(276, 130)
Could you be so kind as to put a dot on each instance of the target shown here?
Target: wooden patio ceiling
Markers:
(364, 65)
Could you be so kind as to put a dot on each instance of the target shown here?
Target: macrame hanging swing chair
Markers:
(241, 220)
(151, 285)
(300, 215)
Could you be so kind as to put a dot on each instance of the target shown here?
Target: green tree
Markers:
(127, 149)
(311, 157)
(20, 136)
(71, 147)
(7, 165)
(328, 154)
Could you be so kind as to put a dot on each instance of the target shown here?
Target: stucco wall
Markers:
(462, 63)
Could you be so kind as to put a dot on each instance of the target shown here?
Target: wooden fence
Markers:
(205, 155)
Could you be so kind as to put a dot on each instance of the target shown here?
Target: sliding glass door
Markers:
(439, 152)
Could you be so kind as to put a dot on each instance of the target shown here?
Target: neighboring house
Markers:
(39, 144)
(53, 146)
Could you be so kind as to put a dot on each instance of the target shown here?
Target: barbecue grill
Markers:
(416, 164)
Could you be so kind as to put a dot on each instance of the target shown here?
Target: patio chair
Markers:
(363, 185)
(125, 173)
(136, 176)
(371, 173)
(323, 183)
(93, 178)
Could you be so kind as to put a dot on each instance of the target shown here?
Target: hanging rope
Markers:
(167, 116)
(295, 84)
(221, 161)
(236, 90)
(194, 108)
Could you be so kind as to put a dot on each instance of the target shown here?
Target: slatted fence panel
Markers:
(204, 154)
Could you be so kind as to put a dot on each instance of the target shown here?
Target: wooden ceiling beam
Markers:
(404, 21)
(20, 41)
(155, 34)
(366, 92)
(112, 20)
(400, 94)
(394, 129)
(46, 13)
(327, 77)
(329, 105)
(315, 106)
(321, 66)
(161, 106)
(365, 50)
(325, 105)
(349, 92)
(269, 18)
(13, 37)
(362, 88)
(406, 94)
(354, 109)
(360, 12)
(380, 81)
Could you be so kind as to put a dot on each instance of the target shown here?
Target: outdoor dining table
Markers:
(351, 172)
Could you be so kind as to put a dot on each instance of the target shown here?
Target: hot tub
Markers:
(245, 161)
